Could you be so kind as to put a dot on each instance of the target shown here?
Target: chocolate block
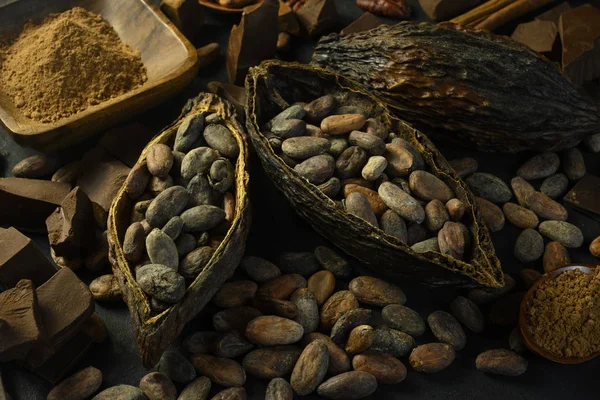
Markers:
(537, 35)
(580, 35)
(65, 304)
(20, 321)
(126, 142)
(585, 196)
(102, 181)
(287, 19)
(318, 17)
(61, 363)
(186, 15)
(71, 228)
(20, 258)
(253, 40)
(554, 13)
(442, 10)
(26, 203)
(365, 22)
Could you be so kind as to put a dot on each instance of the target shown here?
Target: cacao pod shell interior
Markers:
(275, 85)
(468, 87)
(154, 333)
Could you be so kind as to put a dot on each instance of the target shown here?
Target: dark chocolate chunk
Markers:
(20, 322)
(318, 16)
(365, 22)
(584, 196)
(20, 258)
(186, 15)
(102, 181)
(537, 35)
(26, 203)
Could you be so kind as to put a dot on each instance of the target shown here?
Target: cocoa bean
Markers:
(106, 288)
(491, 213)
(202, 218)
(68, 173)
(426, 245)
(529, 246)
(447, 329)
(282, 286)
(338, 145)
(573, 164)
(188, 133)
(341, 124)
(235, 294)
(259, 269)
(489, 186)
(321, 285)
(546, 208)
(348, 322)
(333, 262)
(271, 362)
(220, 138)
(159, 159)
(231, 345)
(303, 263)
(592, 143)
(391, 341)
(401, 162)
(221, 175)
(161, 282)
(595, 247)
(539, 167)
(522, 189)
(304, 147)
(271, 306)
(392, 224)
(201, 192)
(405, 205)
(270, 330)
(374, 168)
(563, 232)
(307, 309)
(555, 256)
(157, 185)
(279, 389)
(358, 205)
(235, 393)
(120, 392)
(376, 292)
(341, 302)
(320, 108)
(385, 368)
(162, 250)
(310, 369)
(377, 205)
(464, 166)
(419, 163)
(221, 371)
(35, 167)
(403, 319)
(456, 209)
(134, 243)
(377, 128)
(236, 318)
(426, 186)
(339, 361)
(436, 215)
(173, 228)
(432, 357)
(452, 240)
(289, 129)
(137, 180)
(520, 216)
(360, 339)
(195, 262)
(349, 385)
(176, 366)
(351, 162)
(197, 161)
(370, 143)
(467, 312)
(294, 112)
(555, 186)
(198, 389)
(168, 204)
(157, 386)
(81, 385)
(501, 362)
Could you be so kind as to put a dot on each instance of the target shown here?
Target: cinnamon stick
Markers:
(511, 12)
(482, 11)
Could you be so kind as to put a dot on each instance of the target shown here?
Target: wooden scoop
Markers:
(526, 331)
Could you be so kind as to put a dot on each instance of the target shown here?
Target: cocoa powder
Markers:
(67, 63)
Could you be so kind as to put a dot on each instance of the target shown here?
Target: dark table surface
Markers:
(277, 228)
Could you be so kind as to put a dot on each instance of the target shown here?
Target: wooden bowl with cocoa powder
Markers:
(170, 59)
(524, 325)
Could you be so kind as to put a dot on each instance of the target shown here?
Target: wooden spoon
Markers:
(526, 331)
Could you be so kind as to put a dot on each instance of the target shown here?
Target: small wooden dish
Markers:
(525, 332)
(217, 7)
(170, 59)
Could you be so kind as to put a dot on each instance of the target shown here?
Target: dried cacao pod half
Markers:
(275, 86)
(453, 80)
(157, 327)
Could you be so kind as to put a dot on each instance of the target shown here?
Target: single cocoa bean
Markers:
(529, 246)
(573, 164)
(333, 262)
(403, 319)
(501, 362)
(236, 318)
(377, 292)
(464, 166)
(358, 205)
(279, 389)
(157, 386)
(271, 362)
(403, 204)
(377, 205)
(456, 209)
(310, 369)
(563, 232)
(447, 329)
(555, 256)
(231, 345)
(341, 124)
(198, 389)
(385, 368)
(235, 294)
(259, 269)
(270, 330)
(221, 371)
(349, 385)
(81, 385)
(351, 162)
(436, 215)
(339, 303)
(467, 312)
(427, 186)
(307, 309)
(490, 187)
(539, 167)
(491, 213)
(235, 393)
(360, 339)
(391, 341)
(432, 357)
(555, 186)
(520, 216)
(339, 362)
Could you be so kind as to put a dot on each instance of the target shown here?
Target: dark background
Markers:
(276, 228)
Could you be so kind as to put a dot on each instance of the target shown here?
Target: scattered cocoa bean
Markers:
(595, 247)
(456, 209)
(231, 345)
(436, 215)
(349, 385)
(358, 205)
(220, 138)
(347, 322)
(198, 389)
(467, 312)
(125, 392)
(491, 213)
(360, 339)
(501, 362)
(307, 309)
(563, 232)
(529, 246)
(234, 393)
(159, 160)
(555, 186)
(310, 369)
(81, 385)
(221, 371)
(573, 164)
(427, 186)
(539, 167)
(35, 167)
(279, 389)
(235, 294)
(339, 362)
(520, 216)
(555, 256)
(270, 330)
(321, 285)
(282, 286)
(391, 341)
(432, 357)
(377, 205)
(385, 368)
(106, 288)
(333, 262)
(452, 240)
(303, 263)
(176, 366)
(447, 329)
(403, 319)
(271, 362)
(546, 208)
(490, 187)
(339, 303)
(341, 124)
(157, 386)
(377, 292)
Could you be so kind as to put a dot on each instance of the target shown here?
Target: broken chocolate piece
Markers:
(21, 326)
(443, 10)
(21, 258)
(26, 203)
(537, 35)
(554, 13)
(287, 19)
(253, 40)
(580, 35)
(186, 15)
(102, 181)
(65, 303)
(59, 364)
(365, 22)
(207, 54)
(584, 196)
(318, 17)
(71, 228)
(126, 142)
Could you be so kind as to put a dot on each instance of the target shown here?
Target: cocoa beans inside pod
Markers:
(275, 87)
(153, 334)
(388, 60)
